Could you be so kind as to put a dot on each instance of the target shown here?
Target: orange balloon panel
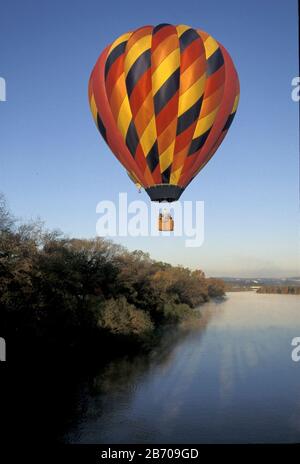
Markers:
(163, 99)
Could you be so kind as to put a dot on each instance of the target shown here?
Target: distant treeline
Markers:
(236, 288)
(284, 289)
(66, 293)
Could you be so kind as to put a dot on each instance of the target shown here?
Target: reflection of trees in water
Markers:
(187, 387)
(58, 395)
(112, 387)
(120, 372)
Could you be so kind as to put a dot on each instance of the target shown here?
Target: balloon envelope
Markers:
(163, 99)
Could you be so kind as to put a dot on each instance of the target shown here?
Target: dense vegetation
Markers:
(284, 289)
(67, 293)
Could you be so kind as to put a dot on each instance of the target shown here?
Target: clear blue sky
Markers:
(54, 163)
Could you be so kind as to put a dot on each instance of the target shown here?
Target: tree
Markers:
(7, 221)
(121, 318)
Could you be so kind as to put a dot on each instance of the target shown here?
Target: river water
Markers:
(228, 379)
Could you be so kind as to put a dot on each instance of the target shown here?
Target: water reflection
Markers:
(228, 379)
(109, 395)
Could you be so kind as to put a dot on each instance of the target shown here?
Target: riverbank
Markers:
(68, 295)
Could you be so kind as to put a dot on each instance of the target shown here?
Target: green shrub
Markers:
(177, 312)
(121, 318)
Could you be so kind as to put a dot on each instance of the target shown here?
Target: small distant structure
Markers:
(2, 89)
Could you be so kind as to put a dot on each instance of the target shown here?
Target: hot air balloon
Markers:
(163, 98)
